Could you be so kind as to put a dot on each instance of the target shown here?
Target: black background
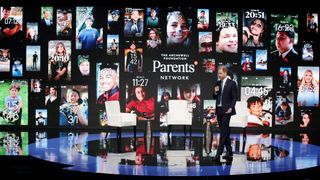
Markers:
(26, 167)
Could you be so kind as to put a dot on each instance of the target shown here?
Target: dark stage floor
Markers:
(83, 154)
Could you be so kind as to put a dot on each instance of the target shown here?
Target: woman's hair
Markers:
(156, 32)
(165, 93)
(192, 88)
(133, 92)
(64, 48)
(313, 86)
(302, 114)
(55, 88)
(263, 22)
(305, 113)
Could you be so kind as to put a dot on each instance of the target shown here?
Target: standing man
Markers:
(35, 58)
(114, 47)
(225, 93)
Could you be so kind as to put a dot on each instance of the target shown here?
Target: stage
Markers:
(160, 155)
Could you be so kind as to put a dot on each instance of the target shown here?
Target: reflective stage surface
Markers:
(163, 155)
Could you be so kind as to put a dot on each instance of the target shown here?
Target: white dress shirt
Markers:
(223, 82)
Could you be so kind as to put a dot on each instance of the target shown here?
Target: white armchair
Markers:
(240, 119)
(119, 119)
(179, 114)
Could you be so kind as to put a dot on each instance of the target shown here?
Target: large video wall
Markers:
(59, 65)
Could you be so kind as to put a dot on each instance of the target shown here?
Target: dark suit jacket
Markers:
(43, 23)
(229, 95)
(292, 56)
(127, 28)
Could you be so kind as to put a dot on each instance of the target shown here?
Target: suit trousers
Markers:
(224, 121)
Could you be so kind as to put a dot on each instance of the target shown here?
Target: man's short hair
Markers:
(90, 18)
(253, 100)
(290, 34)
(223, 68)
(15, 86)
(44, 11)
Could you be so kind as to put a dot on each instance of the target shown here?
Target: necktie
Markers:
(283, 58)
(221, 91)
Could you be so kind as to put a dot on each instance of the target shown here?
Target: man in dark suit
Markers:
(285, 52)
(47, 20)
(225, 93)
(134, 27)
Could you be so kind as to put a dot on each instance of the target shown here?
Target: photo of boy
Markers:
(256, 91)
(133, 22)
(107, 83)
(113, 20)
(11, 26)
(283, 112)
(254, 105)
(11, 105)
(33, 58)
(152, 19)
(284, 38)
(89, 37)
(226, 34)
(46, 16)
(133, 58)
(4, 60)
(64, 22)
(41, 117)
(203, 18)
(36, 85)
(84, 65)
(89, 30)
(74, 106)
(113, 44)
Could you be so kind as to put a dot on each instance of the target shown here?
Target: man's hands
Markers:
(216, 89)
